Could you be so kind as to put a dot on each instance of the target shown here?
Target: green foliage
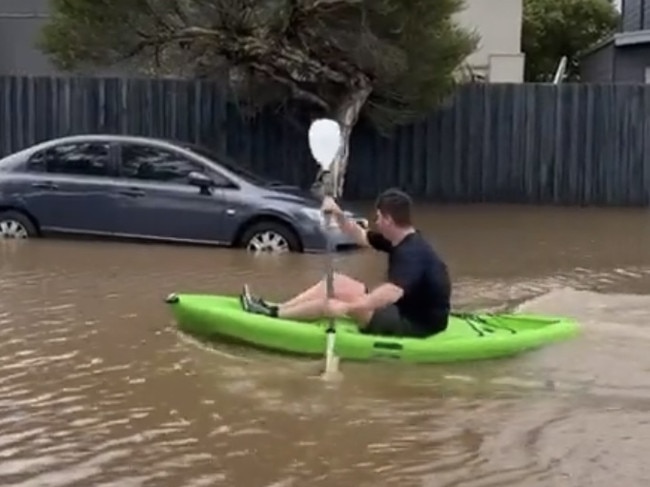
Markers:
(556, 28)
(320, 51)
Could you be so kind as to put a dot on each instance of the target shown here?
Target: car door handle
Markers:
(45, 185)
(132, 192)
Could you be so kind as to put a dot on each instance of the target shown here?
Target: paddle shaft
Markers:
(329, 269)
(329, 190)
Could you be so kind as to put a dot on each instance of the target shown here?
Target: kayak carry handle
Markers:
(388, 346)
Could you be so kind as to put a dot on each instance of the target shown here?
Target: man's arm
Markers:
(364, 238)
(403, 275)
(383, 295)
(351, 228)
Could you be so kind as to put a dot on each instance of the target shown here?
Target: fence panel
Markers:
(524, 143)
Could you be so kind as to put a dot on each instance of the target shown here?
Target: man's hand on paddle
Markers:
(347, 225)
(329, 206)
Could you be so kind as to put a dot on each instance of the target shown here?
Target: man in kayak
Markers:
(414, 300)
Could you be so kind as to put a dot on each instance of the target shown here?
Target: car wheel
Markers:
(270, 236)
(16, 225)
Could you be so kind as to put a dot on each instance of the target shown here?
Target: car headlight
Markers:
(313, 214)
(317, 216)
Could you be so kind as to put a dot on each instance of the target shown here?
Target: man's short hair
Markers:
(397, 204)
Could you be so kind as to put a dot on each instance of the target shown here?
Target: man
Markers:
(414, 300)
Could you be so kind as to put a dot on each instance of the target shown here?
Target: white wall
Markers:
(498, 22)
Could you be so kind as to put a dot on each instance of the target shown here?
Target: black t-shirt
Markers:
(414, 266)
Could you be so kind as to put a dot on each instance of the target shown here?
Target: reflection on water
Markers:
(97, 388)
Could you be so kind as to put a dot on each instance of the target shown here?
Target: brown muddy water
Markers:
(98, 389)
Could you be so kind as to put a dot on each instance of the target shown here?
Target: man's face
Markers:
(383, 223)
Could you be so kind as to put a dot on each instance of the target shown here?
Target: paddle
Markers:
(325, 143)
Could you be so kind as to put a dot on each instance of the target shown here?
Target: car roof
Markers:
(114, 138)
(160, 142)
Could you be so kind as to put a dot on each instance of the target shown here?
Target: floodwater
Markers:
(98, 389)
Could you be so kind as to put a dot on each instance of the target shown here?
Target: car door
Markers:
(67, 187)
(156, 200)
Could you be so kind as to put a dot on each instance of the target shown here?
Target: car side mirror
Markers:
(199, 179)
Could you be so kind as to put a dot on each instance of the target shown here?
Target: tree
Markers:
(556, 28)
(395, 59)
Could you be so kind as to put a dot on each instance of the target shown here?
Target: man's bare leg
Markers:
(306, 310)
(310, 310)
(345, 289)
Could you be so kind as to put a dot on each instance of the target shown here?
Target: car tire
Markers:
(270, 236)
(14, 224)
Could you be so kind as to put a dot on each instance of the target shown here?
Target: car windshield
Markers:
(229, 164)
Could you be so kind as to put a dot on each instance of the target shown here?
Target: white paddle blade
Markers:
(325, 141)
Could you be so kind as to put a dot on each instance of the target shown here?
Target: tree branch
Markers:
(158, 19)
(296, 63)
(316, 4)
(296, 91)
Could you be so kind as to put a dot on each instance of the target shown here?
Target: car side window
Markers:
(79, 158)
(155, 164)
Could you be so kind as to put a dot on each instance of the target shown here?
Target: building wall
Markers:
(636, 15)
(629, 64)
(632, 63)
(598, 66)
(498, 22)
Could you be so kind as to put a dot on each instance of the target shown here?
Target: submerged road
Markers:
(97, 387)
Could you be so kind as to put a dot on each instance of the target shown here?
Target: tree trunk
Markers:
(347, 115)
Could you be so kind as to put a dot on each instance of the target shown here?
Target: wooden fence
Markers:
(568, 144)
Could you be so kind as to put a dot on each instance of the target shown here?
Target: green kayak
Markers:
(468, 336)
